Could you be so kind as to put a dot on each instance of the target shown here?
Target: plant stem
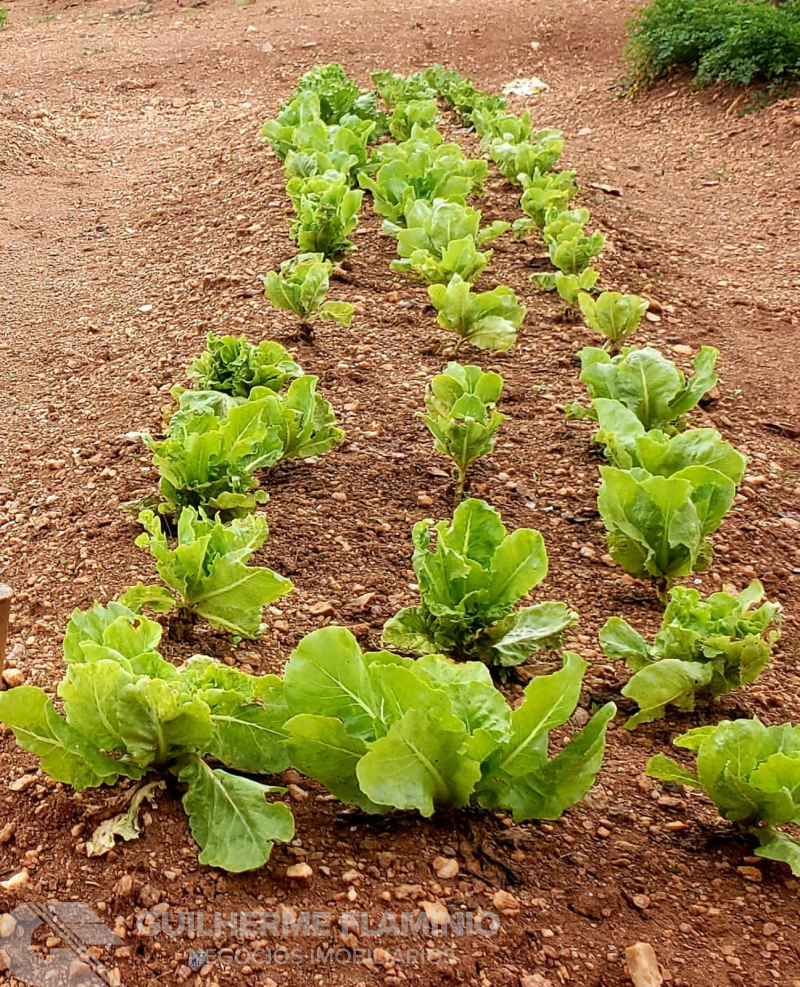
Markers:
(662, 588)
(460, 481)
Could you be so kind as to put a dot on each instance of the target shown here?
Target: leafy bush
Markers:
(380, 731)
(302, 287)
(719, 40)
(469, 584)
(207, 572)
(235, 366)
(648, 384)
(705, 648)
(613, 315)
(461, 415)
(544, 200)
(299, 115)
(327, 211)
(750, 772)
(500, 126)
(629, 446)
(128, 712)
(488, 320)
(657, 526)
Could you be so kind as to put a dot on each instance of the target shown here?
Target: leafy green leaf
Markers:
(207, 569)
(302, 286)
(418, 764)
(230, 818)
(234, 366)
(64, 753)
(487, 320)
(612, 314)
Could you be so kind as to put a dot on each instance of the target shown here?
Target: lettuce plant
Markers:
(128, 713)
(488, 319)
(629, 446)
(442, 239)
(568, 286)
(398, 183)
(461, 416)
(461, 93)
(414, 115)
(508, 127)
(395, 90)
(613, 315)
(339, 96)
(209, 457)
(469, 584)
(529, 158)
(302, 287)
(327, 211)
(658, 526)
(750, 772)
(234, 366)
(572, 254)
(207, 572)
(300, 112)
(380, 731)
(705, 648)
(648, 384)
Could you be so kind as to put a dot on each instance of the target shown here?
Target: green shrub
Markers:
(735, 41)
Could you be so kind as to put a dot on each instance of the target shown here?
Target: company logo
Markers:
(78, 928)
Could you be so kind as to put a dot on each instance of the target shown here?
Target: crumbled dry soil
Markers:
(139, 210)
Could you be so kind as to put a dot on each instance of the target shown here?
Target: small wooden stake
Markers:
(5, 611)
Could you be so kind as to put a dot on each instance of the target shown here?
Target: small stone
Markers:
(445, 868)
(351, 876)
(149, 896)
(769, 929)
(424, 500)
(296, 792)
(535, 980)
(23, 783)
(682, 349)
(438, 915)
(7, 832)
(16, 881)
(299, 872)
(643, 965)
(7, 925)
(323, 609)
(751, 873)
(385, 859)
(78, 970)
(505, 903)
(339, 495)
(640, 901)
(124, 885)
(13, 677)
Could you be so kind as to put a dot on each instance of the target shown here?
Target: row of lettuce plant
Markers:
(667, 490)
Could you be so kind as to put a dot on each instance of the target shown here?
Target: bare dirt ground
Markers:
(138, 210)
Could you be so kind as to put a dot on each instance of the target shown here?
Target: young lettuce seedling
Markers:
(207, 572)
(613, 315)
(469, 583)
(749, 771)
(461, 416)
(705, 649)
(488, 320)
(129, 713)
(302, 287)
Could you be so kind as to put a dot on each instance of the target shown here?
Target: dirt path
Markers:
(138, 211)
